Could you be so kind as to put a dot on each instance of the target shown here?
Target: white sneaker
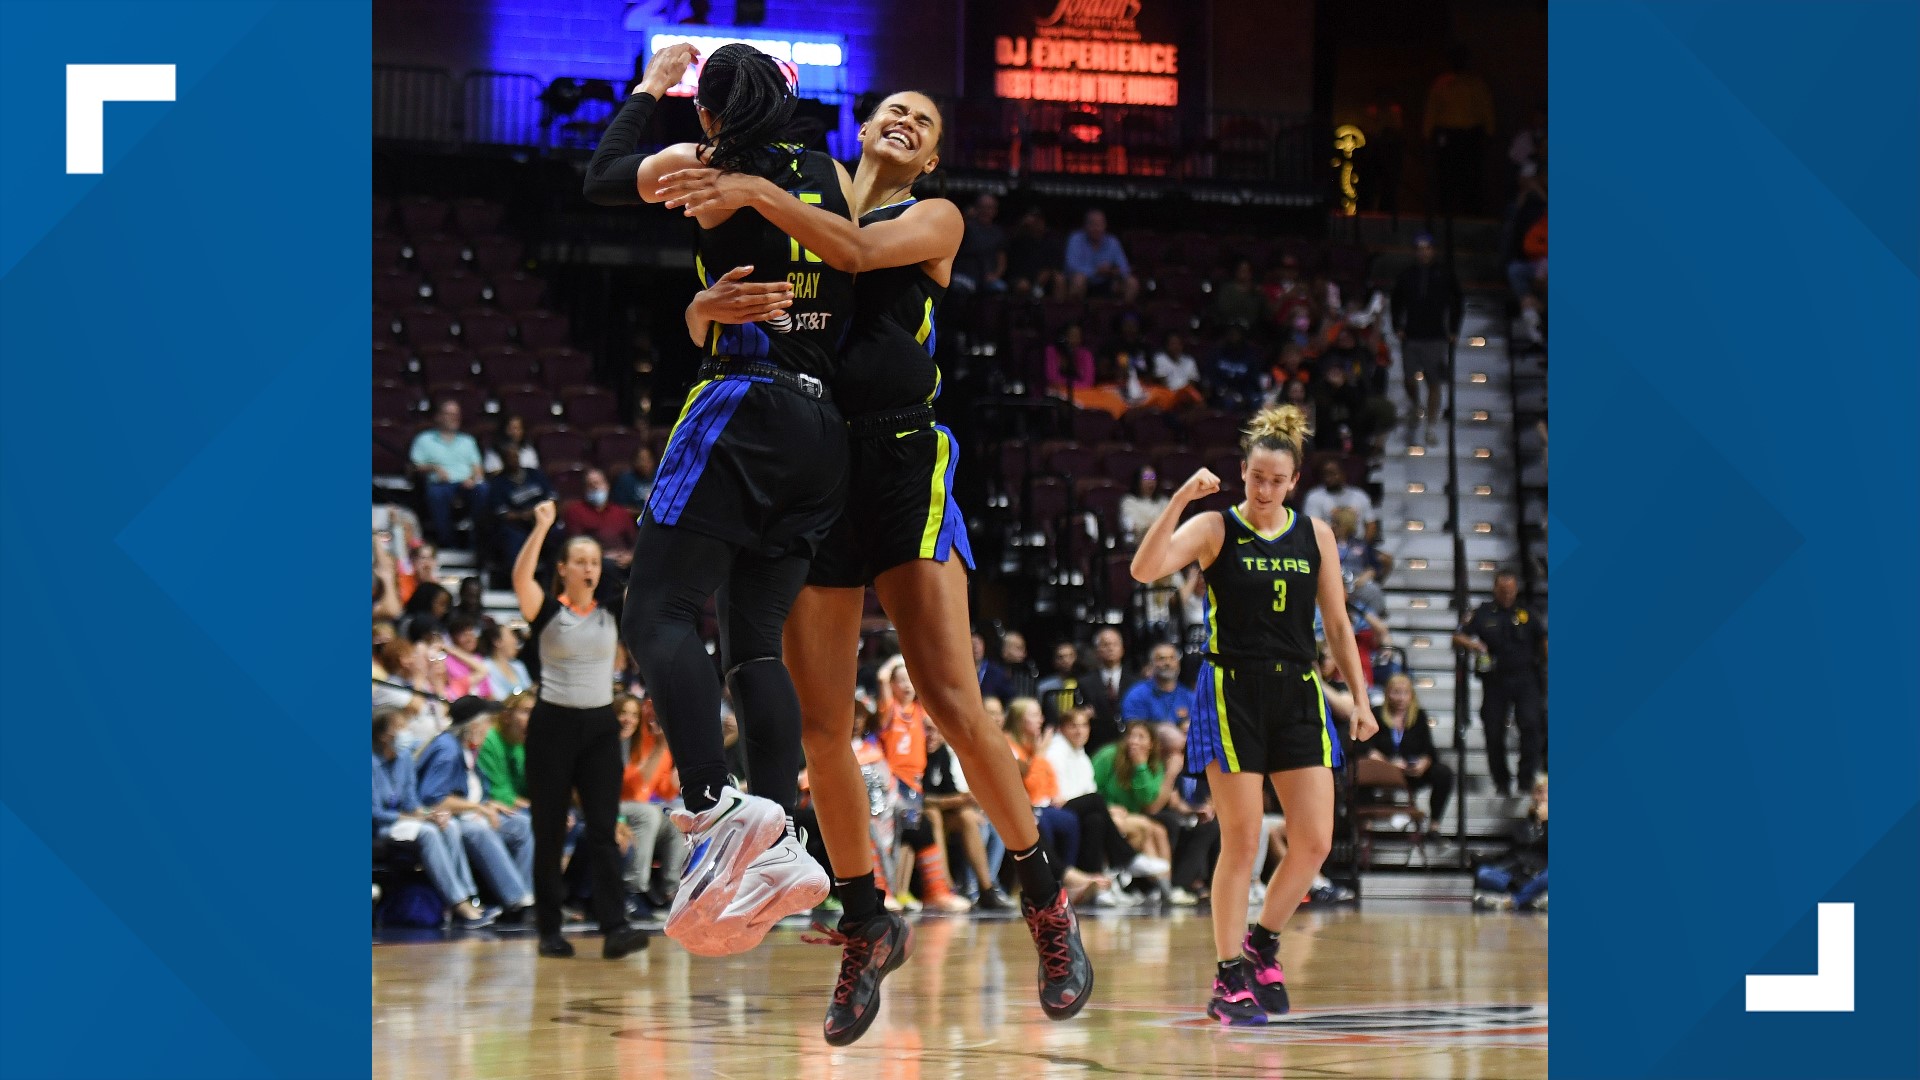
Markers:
(1148, 866)
(785, 880)
(1179, 897)
(722, 842)
(1256, 895)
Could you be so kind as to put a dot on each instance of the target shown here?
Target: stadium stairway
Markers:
(1418, 533)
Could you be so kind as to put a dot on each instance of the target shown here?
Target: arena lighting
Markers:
(1480, 415)
(1477, 378)
(1420, 603)
(1416, 451)
(1416, 488)
(1423, 643)
(1416, 564)
(1483, 489)
(795, 49)
(1483, 527)
(1416, 526)
(1476, 342)
(1424, 682)
(1488, 564)
(1482, 453)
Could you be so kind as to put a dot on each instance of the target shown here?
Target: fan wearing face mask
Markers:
(596, 515)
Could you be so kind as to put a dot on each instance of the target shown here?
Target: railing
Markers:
(414, 104)
(1462, 669)
(500, 108)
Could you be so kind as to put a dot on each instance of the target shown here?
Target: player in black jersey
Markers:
(1259, 710)
(901, 531)
(752, 477)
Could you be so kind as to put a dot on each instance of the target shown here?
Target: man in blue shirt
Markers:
(1161, 699)
(448, 461)
(1096, 265)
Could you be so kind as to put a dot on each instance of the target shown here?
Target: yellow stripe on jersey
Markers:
(937, 499)
(692, 396)
(926, 324)
(1326, 744)
(1213, 622)
(1220, 718)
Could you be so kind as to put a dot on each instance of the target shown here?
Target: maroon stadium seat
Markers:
(382, 212)
(569, 478)
(456, 291)
(1123, 466)
(1148, 427)
(517, 292)
(484, 327)
(1046, 502)
(1176, 465)
(504, 365)
(1093, 426)
(613, 448)
(563, 367)
(1070, 462)
(498, 256)
(472, 399)
(558, 442)
(543, 330)
(531, 403)
(390, 361)
(1119, 582)
(396, 287)
(386, 251)
(394, 400)
(1214, 429)
(589, 406)
(424, 325)
(439, 367)
(440, 254)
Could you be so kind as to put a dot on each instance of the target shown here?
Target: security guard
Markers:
(1510, 647)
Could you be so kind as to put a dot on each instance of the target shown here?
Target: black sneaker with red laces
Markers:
(1066, 975)
(870, 951)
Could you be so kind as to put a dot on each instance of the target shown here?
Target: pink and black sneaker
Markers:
(1266, 977)
(1234, 1003)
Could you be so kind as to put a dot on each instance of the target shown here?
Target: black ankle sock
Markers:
(1037, 878)
(859, 900)
(1262, 938)
(1229, 969)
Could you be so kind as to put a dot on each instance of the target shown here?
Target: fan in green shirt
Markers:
(1139, 791)
(502, 758)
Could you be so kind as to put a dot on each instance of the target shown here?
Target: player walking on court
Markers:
(753, 475)
(902, 532)
(1260, 712)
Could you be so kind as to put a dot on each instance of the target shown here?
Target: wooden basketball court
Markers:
(1397, 990)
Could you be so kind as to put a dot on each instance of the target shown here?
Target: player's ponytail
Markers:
(748, 95)
(1283, 428)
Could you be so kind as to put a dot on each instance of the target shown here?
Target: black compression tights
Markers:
(674, 571)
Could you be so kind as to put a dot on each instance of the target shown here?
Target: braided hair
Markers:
(747, 94)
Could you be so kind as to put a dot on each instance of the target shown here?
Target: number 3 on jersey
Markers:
(1279, 594)
(813, 198)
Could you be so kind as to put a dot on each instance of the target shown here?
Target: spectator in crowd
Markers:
(1179, 374)
(502, 759)
(510, 444)
(1160, 699)
(1405, 740)
(433, 836)
(1510, 644)
(957, 818)
(1132, 776)
(1289, 299)
(1458, 122)
(498, 836)
(1109, 685)
(1528, 148)
(507, 675)
(1365, 561)
(1073, 373)
(1194, 832)
(1096, 265)
(981, 265)
(386, 584)
(631, 488)
(515, 492)
(1238, 301)
(1529, 206)
(470, 602)
(994, 681)
(1234, 371)
(1101, 845)
(647, 788)
(1345, 424)
(1059, 829)
(903, 738)
(467, 671)
(1334, 491)
(448, 461)
(422, 671)
(1427, 308)
(1031, 260)
(1141, 505)
(596, 515)
(1023, 678)
(427, 609)
(1519, 880)
(1061, 690)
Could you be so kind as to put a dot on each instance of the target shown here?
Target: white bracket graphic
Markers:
(1829, 989)
(89, 88)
